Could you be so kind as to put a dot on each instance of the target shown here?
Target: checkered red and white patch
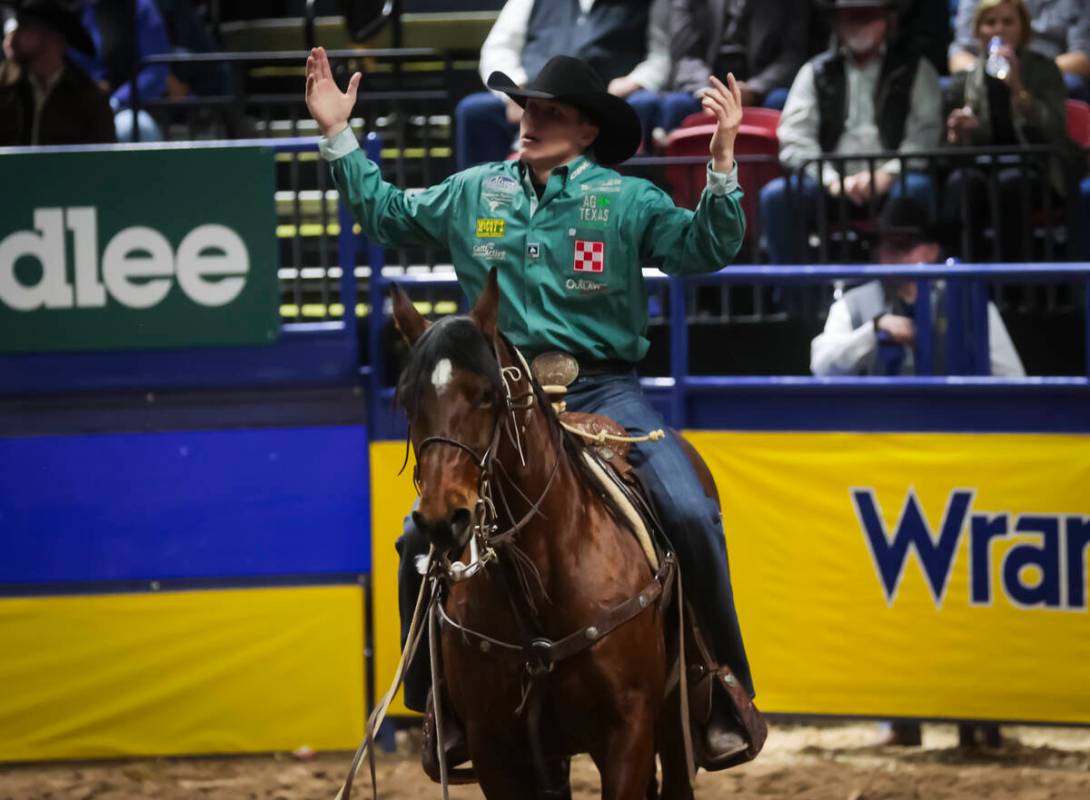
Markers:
(589, 256)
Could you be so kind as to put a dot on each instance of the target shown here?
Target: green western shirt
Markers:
(569, 265)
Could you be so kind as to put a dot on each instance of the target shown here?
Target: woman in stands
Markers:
(1013, 96)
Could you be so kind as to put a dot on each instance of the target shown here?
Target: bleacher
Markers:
(418, 59)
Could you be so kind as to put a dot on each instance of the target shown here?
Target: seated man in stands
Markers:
(626, 41)
(1061, 33)
(763, 43)
(44, 97)
(871, 330)
(111, 25)
(865, 94)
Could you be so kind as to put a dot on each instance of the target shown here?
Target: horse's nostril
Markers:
(459, 523)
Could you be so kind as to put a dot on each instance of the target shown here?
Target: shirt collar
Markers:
(569, 169)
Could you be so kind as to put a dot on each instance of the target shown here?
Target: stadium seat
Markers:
(1078, 121)
(687, 180)
(767, 119)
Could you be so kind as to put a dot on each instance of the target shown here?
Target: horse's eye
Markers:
(486, 400)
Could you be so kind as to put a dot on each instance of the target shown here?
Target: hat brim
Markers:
(619, 129)
(66, 25)
(851, 5)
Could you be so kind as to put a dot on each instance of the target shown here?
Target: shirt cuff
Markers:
(722, 183)
(338, 145)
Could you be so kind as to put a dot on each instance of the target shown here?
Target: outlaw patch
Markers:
(585, 286)
(490, 227)
(589, 256)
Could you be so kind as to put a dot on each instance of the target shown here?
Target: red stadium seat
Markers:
(767, 119)
(1078, 122)
(687, 180)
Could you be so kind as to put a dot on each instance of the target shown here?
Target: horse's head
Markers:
(452, 392)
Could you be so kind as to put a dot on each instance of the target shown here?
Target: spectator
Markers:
(112, 27)
(1060, 32)
(871, 330)
(923, 26)
(762, 43)
(626, 41)
(864, 94)
(44, 97)
(188, 32)
(1023, 107)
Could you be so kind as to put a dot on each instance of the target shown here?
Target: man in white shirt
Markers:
(871, 330)
(626, 41)
(868, 93)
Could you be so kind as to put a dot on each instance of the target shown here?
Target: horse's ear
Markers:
(406, 317)
(487, 310)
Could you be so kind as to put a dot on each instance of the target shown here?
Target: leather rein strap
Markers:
(540, 655)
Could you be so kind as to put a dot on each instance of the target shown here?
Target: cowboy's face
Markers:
(862, 30)
(552, 132)
(30, 38)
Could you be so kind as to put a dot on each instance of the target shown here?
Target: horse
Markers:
(504, 490)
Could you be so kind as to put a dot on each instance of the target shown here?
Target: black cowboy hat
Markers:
(573, 81)
(59, 17)
(850, 5)
(904, 219)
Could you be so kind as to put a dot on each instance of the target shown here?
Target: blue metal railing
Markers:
(972, 279)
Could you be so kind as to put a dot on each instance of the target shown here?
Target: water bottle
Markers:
(997, 64)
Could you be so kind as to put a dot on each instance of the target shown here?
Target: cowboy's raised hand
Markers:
(329, 106)
(725, 101)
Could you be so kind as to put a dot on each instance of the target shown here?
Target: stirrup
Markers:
(454, 742)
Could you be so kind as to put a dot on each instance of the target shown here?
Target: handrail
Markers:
(989, 157)
(975, 275)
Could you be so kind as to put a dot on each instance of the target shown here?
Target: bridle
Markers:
(485, 535)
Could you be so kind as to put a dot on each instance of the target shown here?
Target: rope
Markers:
(412, 643)
(602, 436)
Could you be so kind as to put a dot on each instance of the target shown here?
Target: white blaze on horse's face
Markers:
(440, 376)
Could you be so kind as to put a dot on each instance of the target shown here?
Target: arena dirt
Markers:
(834, 762)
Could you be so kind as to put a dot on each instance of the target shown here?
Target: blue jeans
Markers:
(1078, 87)
(786, 224)
(149, 129)
(482, 132)
(691, 518)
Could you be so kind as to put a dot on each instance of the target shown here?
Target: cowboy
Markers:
(45, 98)
(568, 237)
(871, 329)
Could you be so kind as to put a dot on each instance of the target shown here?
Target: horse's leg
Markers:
(626, 762)
(675, 773)
(503, 776)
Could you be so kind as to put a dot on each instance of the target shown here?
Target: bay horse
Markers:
(502, 488)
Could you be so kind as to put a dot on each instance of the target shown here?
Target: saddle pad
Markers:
(631, 515)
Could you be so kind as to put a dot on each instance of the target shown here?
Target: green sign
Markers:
(138, 249)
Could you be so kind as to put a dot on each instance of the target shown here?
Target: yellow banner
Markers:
(181, 673)
(931, 575)
(392, 497)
